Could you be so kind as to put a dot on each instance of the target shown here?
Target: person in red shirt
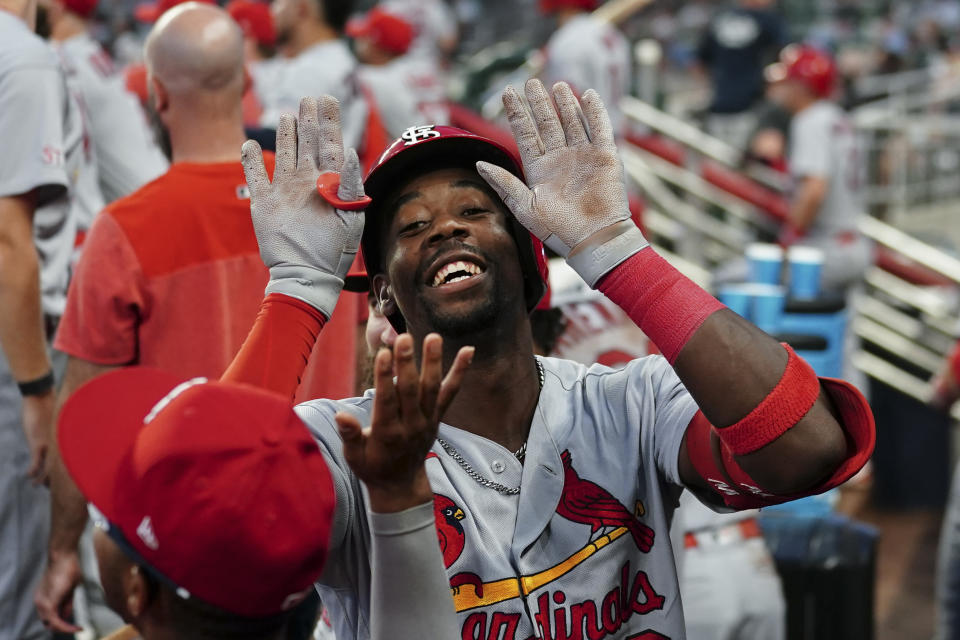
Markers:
(171, 276)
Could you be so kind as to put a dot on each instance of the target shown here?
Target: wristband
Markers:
(784, 407)
(665, 304)
(37, 387)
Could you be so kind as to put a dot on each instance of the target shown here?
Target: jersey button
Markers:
(497, 466)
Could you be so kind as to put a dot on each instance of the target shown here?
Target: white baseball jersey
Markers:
(328, 68)
(590, 53)
(433, 22)
(127, 156)
(42, 146)
(408, 91)
(823, 144)
(582, 550)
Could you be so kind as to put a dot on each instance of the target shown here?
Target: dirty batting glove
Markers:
(575, 198)
(307, 244)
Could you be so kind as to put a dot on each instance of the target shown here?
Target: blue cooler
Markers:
(825, 317)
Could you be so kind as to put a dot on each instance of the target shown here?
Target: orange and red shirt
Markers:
(171, 277)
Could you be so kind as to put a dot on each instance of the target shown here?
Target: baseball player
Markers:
(825, 163)
(125, 153)
(406, 88)
(587, 52)
(553, 482)
(434, 25)
(320, 63)
(221, 526)
(41, 143)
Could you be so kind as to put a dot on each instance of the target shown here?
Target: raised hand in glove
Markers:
(308, 238)
(575, 199)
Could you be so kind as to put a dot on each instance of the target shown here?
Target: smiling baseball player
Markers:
(554, 483)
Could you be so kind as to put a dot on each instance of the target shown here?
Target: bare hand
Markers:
(54, 596)
(38, 427)
(389, 455)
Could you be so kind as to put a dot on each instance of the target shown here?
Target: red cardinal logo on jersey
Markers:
(450, 534)
(588, 503)
(449, 529)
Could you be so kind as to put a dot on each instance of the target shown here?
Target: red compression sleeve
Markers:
(278, 346)
(955, 364)
(665, 304)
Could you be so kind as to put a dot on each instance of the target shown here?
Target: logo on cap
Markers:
(145, 531)
(413, 135)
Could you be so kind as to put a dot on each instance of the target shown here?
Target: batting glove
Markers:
(307, 243)
(576, 201)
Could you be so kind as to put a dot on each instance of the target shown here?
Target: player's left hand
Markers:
(576, 200)
(389, 455)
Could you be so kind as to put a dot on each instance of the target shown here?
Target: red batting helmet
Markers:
(549, 6)
(420, 145)
(807, 65)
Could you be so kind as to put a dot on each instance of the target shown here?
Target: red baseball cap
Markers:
(151, 11)
(255, 19)
(387, 30)
(811, 67)
(83, 8)
(217, 489)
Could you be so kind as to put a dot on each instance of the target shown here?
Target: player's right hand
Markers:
(307, 244)
(389, 455)
(54, 596)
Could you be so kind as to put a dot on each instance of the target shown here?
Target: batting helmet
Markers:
(423, 146)
(807, 65)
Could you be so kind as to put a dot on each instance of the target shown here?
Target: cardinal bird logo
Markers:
(450, 534)
(449, 529)
(588, 503)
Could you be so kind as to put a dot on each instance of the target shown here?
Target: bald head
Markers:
(196, 51)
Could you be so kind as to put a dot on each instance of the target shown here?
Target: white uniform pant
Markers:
(732, 592)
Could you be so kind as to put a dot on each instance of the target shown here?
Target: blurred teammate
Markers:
(40, 143)
(405, 87)
(259, 50)
(739, 42)
(542, 533)
(223, 526)
(171, 275)
(126, 155)
(310, 34)
(434, 25)
(587, 52)
(826, 166)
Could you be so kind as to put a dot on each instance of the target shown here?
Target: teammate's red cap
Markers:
(255, 19)
(150, 11)
(217, 489)
(549, 6)
(812, 67)
(387, 30)
(83, 8)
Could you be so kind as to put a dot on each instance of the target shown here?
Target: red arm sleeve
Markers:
(278, 346)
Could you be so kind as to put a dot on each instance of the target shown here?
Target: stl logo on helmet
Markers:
(413, 135)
